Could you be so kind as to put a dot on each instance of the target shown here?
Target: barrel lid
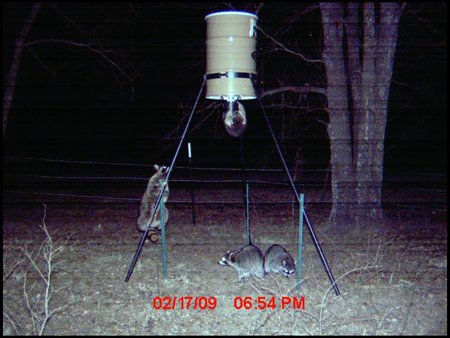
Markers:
(231, 13)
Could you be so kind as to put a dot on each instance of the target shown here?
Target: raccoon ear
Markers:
(283, 263)
(156, 166)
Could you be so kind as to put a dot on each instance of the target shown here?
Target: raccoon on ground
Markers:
(247, 261)
(155, 184)
(279, 261)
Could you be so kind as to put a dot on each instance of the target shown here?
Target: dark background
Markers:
(71, 104)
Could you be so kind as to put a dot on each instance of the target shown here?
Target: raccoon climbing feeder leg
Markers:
(158, 201)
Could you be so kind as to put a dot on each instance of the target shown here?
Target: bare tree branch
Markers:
(210, 108)
(295, 89)
(297, 14)
(259, 6)
(91, 47)
(41, 62)
(283, 47)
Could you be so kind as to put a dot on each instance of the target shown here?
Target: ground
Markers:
(392, 280)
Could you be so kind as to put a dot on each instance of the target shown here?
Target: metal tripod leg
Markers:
(310, 228)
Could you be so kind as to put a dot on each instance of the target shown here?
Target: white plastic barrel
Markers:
(230, 43)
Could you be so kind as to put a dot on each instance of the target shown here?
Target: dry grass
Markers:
(391, 283)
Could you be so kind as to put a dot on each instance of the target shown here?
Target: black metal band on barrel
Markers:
(230, 75)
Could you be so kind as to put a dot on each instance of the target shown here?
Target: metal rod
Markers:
(300, 241)
(310, 228)
(163, 241)
(158, 201)
(247, 214)
(322, 255)
(243, 173)
(191, 183)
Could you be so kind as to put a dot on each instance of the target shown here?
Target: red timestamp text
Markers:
(184, 303)
(269, 303)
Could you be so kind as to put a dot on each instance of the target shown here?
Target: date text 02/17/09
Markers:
(184, 303)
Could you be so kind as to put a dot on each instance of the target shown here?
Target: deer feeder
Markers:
(230, 62)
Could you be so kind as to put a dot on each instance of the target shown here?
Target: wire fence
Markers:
(22, 182)
(27, 158)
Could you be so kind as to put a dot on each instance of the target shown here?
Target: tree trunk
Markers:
(11, 77)
(359, 71)
(385, 54)
(342, 171)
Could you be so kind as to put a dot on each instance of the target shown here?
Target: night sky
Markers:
(70, 103)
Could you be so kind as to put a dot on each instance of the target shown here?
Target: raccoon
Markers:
(247, 261)
(278, 260)
(234, 118)
(154, 186)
